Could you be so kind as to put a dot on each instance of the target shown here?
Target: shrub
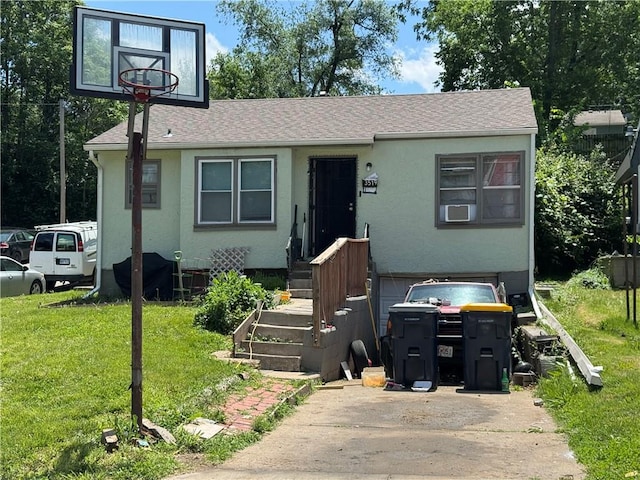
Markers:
(593, 279)
(228, 301)
(270, 281)
(577, 211)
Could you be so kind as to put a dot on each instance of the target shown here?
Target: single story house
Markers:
(443, 183)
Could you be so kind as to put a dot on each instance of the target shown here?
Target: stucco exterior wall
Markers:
(267, 244)
(404, 237)
(401, 215)
(159, 226)
(403, 234)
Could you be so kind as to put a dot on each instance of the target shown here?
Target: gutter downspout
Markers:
(98, 278)
(532, 200)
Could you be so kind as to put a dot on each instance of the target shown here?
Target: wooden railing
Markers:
(337, 273)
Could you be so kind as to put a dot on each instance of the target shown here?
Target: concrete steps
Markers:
(278, 337)
(300, 284)
(282, 363)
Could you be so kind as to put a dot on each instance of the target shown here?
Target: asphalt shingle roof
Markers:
(332, 120)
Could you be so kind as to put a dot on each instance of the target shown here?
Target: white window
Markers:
(150, 184)
(480, 189)
(235, 191)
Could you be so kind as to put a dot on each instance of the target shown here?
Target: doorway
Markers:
(332, 201)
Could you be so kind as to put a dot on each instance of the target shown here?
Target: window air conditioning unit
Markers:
(457, 213)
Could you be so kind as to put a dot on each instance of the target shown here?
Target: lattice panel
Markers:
(226, 260)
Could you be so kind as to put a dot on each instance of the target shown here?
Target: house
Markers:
(622, 272)
(602, 127)
(443, 183)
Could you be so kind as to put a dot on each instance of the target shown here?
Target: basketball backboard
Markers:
(107, 43)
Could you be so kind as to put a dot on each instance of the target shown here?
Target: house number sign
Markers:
(370, 184)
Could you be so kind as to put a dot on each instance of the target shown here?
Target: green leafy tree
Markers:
(335, 46)
(571, 54)
(36, 45)
(577, 210)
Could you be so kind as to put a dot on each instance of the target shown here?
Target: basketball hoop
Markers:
(147, 83)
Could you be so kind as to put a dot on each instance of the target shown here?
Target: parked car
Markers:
(15, 243)
(448, 297)
(18, 279)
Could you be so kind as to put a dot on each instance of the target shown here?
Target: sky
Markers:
(418, 70)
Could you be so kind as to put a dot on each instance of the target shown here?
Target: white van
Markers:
(65, 252)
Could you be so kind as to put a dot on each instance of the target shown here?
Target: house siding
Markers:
(401, 215)
(401, 136)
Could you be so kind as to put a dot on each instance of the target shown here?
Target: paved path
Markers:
(359, 432)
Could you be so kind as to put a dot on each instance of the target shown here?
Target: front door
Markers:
(333, 201)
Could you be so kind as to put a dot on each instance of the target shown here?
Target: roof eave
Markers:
(455, 133)
(103, 147)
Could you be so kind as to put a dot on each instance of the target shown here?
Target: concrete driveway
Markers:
(350, 431)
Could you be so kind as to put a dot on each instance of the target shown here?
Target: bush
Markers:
(577, 211)
(270, 281)
(228, 301)
(593, 279)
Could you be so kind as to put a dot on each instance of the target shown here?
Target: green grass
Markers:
(65, 376)
(65, 373)
(603, 425)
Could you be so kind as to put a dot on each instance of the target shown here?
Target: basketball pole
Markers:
(136, 153)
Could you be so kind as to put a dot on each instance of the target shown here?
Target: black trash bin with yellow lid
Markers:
(486, 333)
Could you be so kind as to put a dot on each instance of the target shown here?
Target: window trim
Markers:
(236, 162)
(480, 189)
(129, 186)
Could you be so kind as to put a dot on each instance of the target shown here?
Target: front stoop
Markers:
(276, 340)
(299, 281)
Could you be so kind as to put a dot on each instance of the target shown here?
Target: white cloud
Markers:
(419, 66)
(213, 47)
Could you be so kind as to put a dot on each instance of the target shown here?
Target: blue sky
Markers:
(418, 70)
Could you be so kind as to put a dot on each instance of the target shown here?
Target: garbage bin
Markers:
(414, 329)
(486, 332)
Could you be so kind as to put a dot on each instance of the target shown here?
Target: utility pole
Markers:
(63, 173)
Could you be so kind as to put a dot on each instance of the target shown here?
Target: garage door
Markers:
(392, 291)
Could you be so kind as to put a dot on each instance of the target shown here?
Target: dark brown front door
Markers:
(333, 201)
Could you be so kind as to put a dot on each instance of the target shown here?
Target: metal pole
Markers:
(136, 283)
(626, 214)
(634, 233)
(134, 155)
(63, 173)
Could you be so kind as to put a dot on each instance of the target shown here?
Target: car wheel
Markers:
(17, 256)
(36, 288)
(50, 286)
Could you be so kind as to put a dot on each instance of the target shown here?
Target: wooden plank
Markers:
(589, 372)
(346, 370)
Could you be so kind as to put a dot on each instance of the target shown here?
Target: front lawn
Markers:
(603, 426)
(66, 372)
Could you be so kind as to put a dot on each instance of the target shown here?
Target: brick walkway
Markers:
(241, 409)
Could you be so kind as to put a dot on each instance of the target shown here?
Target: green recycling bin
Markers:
(486, 336)
(414, 329)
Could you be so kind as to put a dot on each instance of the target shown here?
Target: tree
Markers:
(577, 210)
(335, 46)
(34, 75)
(571, 54)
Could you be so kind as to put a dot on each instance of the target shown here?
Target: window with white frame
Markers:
(150, 184)
(235, 191)
(480, 188)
